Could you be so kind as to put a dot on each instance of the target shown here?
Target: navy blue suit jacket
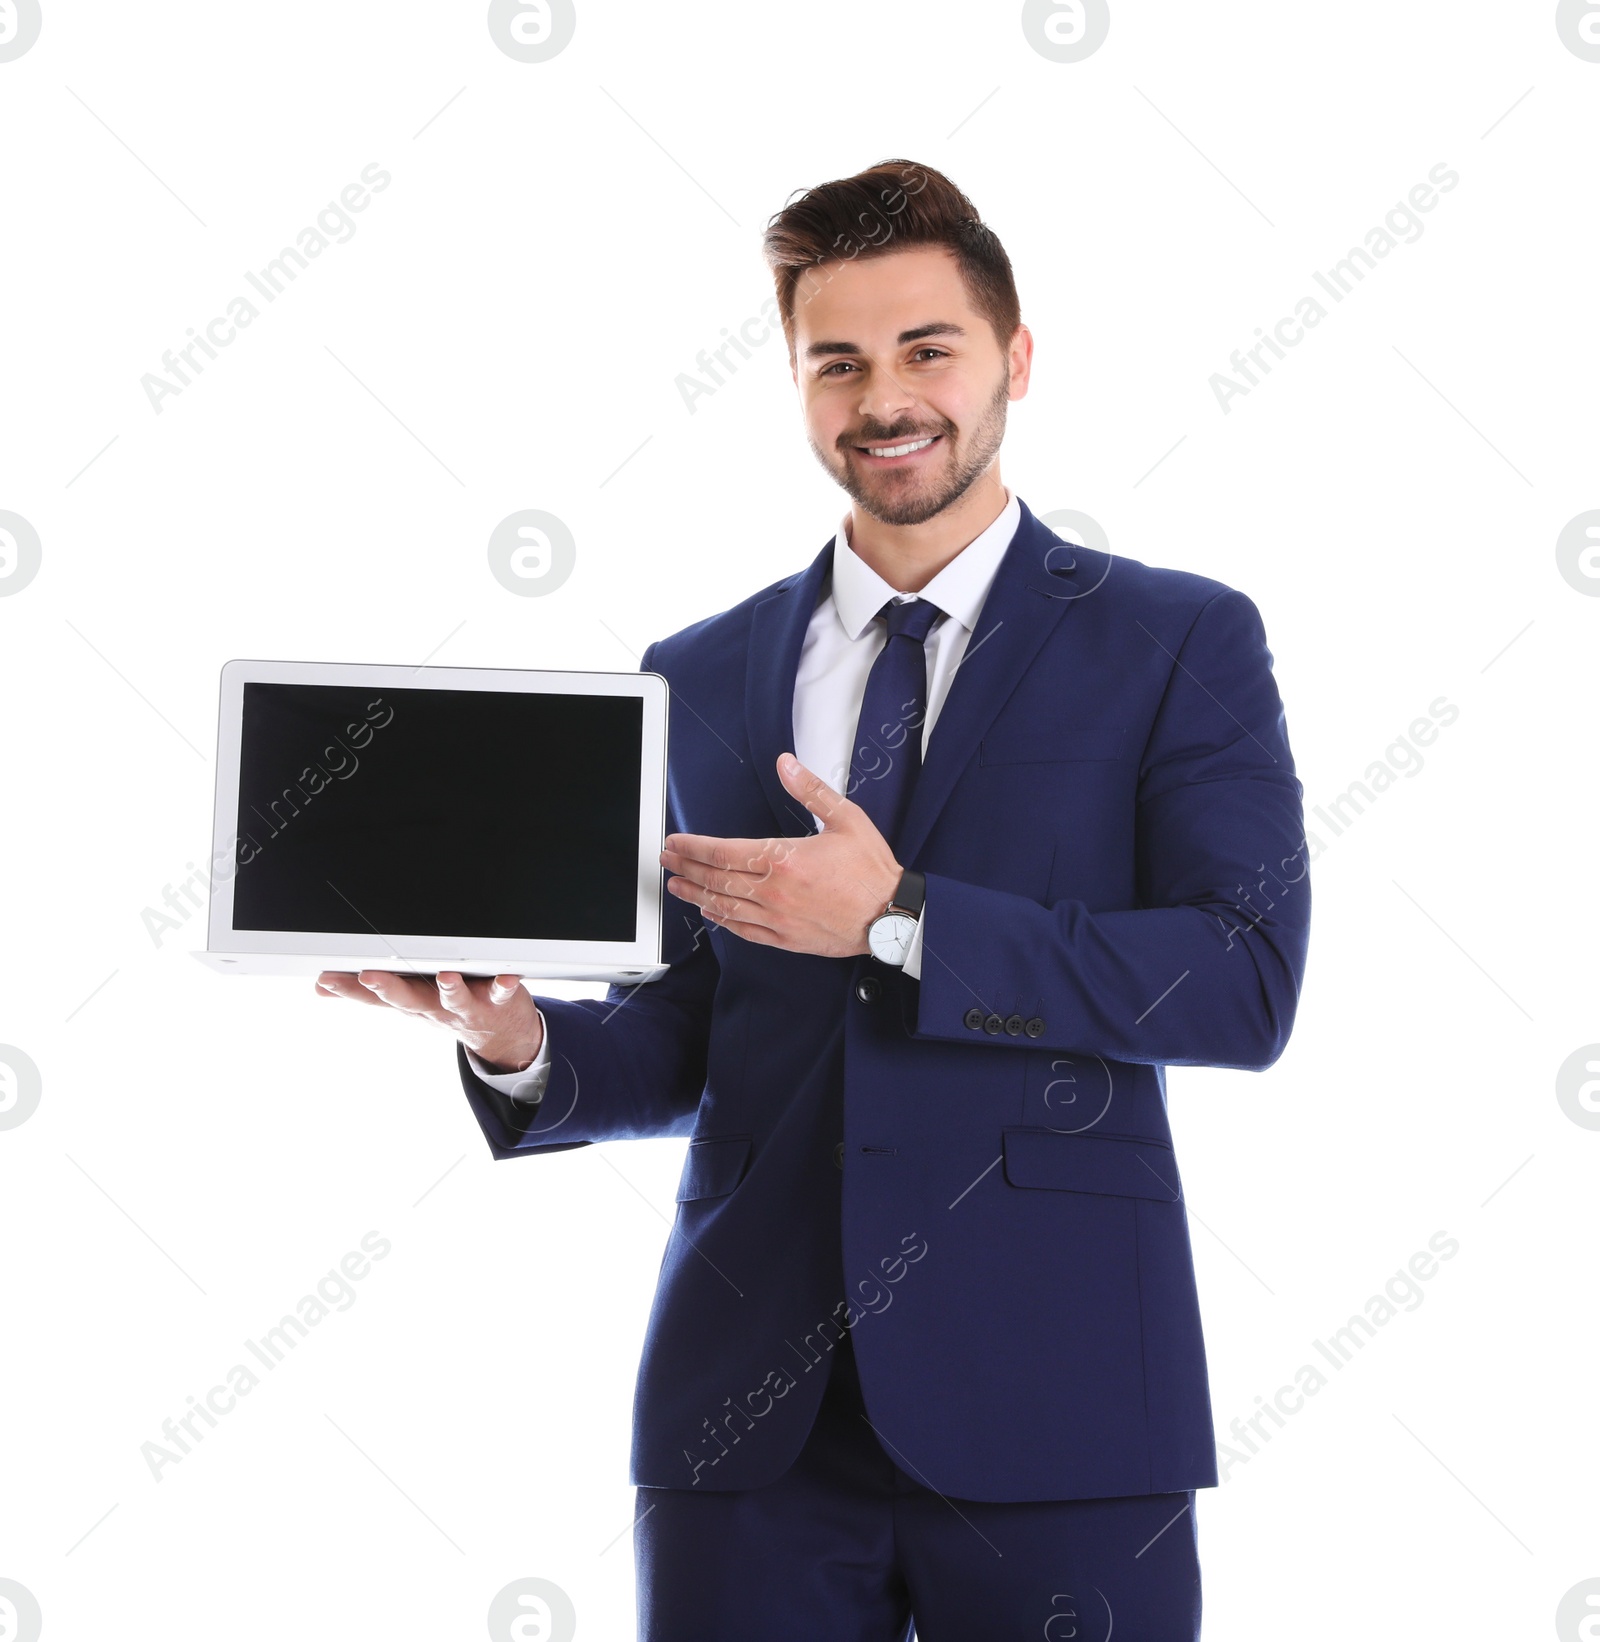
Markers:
(1110, 828)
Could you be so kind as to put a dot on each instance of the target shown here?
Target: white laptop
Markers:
(421, 819)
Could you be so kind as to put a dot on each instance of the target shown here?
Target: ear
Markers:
(1019, 357)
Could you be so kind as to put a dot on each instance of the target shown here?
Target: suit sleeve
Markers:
(631, 1065)
(1205, 969)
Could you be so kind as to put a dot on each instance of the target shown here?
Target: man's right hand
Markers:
(496, 1018)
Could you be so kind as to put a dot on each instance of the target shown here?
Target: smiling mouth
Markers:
(906, 451)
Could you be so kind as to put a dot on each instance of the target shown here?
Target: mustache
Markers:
(891, 436)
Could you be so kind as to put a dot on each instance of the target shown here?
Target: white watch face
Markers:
(889, 937)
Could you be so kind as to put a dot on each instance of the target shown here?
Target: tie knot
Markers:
(912, 617)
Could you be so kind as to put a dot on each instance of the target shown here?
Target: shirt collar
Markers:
(859, 592)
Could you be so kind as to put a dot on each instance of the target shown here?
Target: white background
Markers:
(504, 331)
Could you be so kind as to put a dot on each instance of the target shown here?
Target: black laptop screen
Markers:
(508, 815)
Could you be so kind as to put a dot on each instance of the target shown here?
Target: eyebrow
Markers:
(939, 327)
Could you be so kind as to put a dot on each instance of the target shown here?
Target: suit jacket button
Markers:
(868, 987)
(1033, 1026)
(1013, 1024)
(838, 1155)
(973, 1018)
(992, 1024)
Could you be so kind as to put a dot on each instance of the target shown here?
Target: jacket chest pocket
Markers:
(1026, 743)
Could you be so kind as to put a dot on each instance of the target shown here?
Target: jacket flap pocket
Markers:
(1087, 1162)
(713, 1167)
(1054, 744)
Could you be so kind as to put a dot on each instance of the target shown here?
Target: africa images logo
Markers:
(335, 224)
(20, 22)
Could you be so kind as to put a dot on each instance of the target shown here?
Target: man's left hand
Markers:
(814, 894)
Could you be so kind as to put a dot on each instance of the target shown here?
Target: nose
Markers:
(883, 401)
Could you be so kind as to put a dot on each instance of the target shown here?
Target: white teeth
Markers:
(898, 450)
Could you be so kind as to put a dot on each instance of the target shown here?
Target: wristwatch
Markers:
(889, 934)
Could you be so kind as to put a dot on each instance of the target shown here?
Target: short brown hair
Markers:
(890, 206)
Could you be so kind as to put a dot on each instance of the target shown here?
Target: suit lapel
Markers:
(777, 636)
(1033, 589)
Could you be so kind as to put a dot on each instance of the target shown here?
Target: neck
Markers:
(908, 557)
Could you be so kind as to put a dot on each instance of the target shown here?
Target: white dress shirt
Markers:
(841, 644)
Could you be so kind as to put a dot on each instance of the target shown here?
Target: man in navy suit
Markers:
(976, 831)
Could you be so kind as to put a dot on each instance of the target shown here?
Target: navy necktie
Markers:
(887, 753)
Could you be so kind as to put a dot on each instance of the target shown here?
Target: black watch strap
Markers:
(910, 892)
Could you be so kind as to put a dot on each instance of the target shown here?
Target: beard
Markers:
(907, 499)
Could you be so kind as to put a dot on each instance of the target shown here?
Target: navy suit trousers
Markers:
(848, 1546)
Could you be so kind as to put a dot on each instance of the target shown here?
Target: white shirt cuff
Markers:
(527, 1085)
(913, 964)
